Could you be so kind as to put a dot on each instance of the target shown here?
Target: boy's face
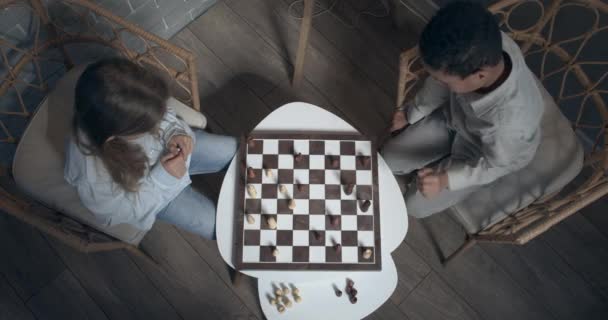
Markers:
(457, 84)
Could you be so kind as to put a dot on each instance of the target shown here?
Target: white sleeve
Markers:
(505, 151)
(430, 97)
(108, 200)
(172, 125)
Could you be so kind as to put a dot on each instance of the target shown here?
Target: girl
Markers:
(131, 158)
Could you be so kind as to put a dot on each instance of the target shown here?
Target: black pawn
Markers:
(365, 205)
(348, 189)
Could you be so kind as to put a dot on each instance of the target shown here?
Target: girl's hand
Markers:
(175, 163)
(183, 143)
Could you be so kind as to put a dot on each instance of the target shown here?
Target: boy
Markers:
(477, 117)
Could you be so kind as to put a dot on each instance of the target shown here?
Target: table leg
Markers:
(235, 276)
(303, 42)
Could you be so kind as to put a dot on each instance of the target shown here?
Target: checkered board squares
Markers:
(315, 172)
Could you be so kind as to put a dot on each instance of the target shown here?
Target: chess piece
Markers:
(367, 254)
(280, 308)
(353, 299)
(292, 204)
(365, 205)
(278, 292)
(282, 189)
(275, 253)
(338, 247)
(334, 220)
(317, 235)
(273, 302)
(348, 188)
(250, 173)
(297, 298)
(350, 283)
(250, 219)
(268, 173)
(251, 191)
(300, 187)
(298, 157)
(287, 302)
(250, 142)
(364, 161)
(286, 291)
(335, 162)
(272, 223)
(337, 291)
(296, 291)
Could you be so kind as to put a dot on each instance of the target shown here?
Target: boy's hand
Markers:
(399, 120)
(431, 182)
(181, 142)
(175, 163)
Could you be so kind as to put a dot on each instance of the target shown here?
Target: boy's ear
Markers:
(481, 74)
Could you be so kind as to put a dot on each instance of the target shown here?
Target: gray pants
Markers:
(421, 144)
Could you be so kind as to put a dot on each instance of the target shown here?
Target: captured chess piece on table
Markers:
(281, 296)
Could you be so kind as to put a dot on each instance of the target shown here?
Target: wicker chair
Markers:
(56, 40)
(576, 81)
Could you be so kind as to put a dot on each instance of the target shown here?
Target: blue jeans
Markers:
(191, 210)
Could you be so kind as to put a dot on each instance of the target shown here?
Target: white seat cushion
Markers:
(558, 161)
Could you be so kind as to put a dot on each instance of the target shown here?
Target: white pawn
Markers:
(272, 223)
(251, 191)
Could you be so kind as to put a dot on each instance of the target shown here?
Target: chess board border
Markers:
(237, 247)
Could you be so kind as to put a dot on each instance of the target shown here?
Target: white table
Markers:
(319, 301)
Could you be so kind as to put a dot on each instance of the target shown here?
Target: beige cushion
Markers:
(39, 159)
(558, 160)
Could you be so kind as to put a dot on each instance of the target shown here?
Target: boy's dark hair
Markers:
(460, 39)
(116, 98)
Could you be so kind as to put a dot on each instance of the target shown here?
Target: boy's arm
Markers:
(430, 97)
(503, 152)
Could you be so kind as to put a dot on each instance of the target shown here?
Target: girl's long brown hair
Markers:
(116, 98)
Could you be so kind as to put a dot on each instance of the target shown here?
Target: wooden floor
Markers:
(246, 49)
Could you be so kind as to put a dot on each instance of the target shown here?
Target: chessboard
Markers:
(307, 202)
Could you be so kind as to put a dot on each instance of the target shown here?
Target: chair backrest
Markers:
(54, 44)
(564, 42)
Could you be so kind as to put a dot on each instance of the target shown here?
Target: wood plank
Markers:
(247, 289)
(186, 280)
(596, 214)
(474, 276)
(11, 306)
(388, 311)
(64, 298)
(240, 48)
(339, 80)
(577, 241)
(434, 299)
(543, 273)
(117, 285)
(225, 97)
(306, 92)
(22, 248)
(411, 270)
(381, 65)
